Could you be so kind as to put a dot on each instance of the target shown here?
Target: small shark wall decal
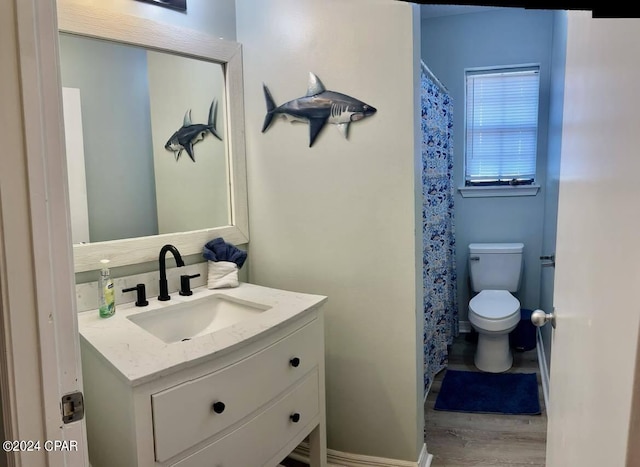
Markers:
(190, 133)
(317, 108)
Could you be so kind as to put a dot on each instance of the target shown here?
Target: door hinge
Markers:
(72, 407)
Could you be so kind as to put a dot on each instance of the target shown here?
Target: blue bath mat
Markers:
(474, 391)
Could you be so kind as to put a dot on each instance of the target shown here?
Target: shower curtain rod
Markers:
(426, 69)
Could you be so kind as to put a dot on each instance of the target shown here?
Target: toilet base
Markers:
(493, 354)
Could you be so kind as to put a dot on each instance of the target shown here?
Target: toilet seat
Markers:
(494, 310)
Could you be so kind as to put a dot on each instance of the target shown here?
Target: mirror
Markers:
(129, 84)
(122, 104)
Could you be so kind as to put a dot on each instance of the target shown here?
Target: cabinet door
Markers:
(196, 410)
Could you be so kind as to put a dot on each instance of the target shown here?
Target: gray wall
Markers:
(496, 38)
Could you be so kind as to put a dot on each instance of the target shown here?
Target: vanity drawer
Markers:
(196, 410)
(263, 436)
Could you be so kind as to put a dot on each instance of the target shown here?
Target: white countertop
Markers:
(140, 356)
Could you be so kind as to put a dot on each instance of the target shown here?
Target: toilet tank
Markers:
(495, 266)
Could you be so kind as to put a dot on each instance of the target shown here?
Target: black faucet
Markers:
(164, 289)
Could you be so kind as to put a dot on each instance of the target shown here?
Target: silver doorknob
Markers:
(540, 318)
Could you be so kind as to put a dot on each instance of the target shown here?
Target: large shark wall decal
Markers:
(190, 133)
(318, 107)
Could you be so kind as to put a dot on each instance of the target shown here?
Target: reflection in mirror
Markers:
(79, 19)
(122, 103)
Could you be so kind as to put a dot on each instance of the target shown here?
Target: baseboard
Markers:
(464, 327)
(345, 459)
(425, 458)
(544, 369)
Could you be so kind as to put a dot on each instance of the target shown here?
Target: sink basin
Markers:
(187, 320)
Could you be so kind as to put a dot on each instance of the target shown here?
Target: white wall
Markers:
(338, 218)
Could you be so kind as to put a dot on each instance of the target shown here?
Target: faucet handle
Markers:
(141, 298)
(185, 286)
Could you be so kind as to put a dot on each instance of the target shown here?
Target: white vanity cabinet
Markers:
(247, 405)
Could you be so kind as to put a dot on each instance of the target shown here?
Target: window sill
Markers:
(494, 191)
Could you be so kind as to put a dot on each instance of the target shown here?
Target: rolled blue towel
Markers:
(219, 250)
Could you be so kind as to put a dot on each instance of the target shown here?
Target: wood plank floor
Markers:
(479, 440)
(476, 440)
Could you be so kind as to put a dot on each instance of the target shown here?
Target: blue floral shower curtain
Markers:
(438, 227)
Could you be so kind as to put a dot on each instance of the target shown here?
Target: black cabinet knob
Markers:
(295, 362)
(218, 407)
(295, 417)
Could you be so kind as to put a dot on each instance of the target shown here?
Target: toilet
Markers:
(495, 270)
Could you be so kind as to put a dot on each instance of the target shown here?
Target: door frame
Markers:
(39, 335)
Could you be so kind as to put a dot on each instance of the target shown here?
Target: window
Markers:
(501, 126)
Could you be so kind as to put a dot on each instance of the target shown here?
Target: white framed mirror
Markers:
(211, 207)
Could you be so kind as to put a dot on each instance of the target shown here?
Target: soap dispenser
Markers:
(106, 292)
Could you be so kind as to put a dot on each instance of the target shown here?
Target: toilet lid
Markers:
(494, 304)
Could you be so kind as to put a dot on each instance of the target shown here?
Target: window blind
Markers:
(501, 125)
